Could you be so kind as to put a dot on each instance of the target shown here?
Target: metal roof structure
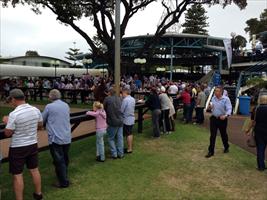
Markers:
(182, 49)
(180, 41)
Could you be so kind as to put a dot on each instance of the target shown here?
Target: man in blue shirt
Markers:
(56, 117)
(221, 108)
(127, 110)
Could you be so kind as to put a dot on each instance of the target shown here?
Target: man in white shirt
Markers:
(173, 89)
(22, 125)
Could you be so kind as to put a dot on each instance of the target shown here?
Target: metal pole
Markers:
(220, 62)
(171, 67)
(117, 47)
(55, 71)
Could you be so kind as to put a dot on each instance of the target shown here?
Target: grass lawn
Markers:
(172, 167)
(4, 111)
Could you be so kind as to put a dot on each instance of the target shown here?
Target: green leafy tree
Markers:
(256, 26)
(239, 42)
(101, 12)
(196, 20)
(72, 53)
(263, 38)
(31, 53)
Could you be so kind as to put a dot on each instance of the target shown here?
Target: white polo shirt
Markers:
(173, 89)
(24, 122)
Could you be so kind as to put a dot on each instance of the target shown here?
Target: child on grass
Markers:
(101, 127)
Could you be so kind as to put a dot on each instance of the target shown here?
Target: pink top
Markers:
(100, 117)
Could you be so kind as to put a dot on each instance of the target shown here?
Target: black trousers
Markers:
(215, 124)
(200, 115)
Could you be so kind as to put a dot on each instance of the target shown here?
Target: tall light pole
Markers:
(55, 63)
(87, 62)
(117, 47)
(171, 66)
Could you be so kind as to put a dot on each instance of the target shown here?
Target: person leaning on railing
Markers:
(22, 125)
(101, 129)
(56, 117)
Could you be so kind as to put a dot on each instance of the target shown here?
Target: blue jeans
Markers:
(100, 149)
(261, 146)
(60, 157)
(115, 149)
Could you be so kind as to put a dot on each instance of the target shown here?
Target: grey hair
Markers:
(262, 99)
(54, 94)
(127, 90)
(111, 91)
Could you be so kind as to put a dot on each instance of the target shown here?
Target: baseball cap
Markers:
(16, 94)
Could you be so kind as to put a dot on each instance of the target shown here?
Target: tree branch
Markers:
(126, 17)
(85, 36)
(140, 6)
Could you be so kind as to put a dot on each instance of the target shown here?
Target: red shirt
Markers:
(186, 97)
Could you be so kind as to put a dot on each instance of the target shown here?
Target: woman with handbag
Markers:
(260, 127)
(248, 127)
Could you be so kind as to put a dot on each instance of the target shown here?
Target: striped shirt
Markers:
(24, 122)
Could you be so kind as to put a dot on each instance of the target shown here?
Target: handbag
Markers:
(251, 142)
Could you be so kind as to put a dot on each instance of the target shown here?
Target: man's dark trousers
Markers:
(215, 124)
(60, 157)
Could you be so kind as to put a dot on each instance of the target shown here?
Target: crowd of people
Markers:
(115, 117)
(85, 88)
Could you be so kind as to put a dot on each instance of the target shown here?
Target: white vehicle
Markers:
(7, 70)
